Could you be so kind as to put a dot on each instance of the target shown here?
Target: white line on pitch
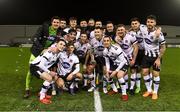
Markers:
(97, 101)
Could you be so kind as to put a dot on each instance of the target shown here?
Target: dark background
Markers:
(35, 12)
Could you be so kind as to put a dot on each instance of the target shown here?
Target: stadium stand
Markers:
(14, 35)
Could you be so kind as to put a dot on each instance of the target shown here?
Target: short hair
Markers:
(109, 22)
(153, 17)
(62, 19)
(99, 28)
(83, 32)
(72, 18)
(72, 30)
(135, 19)
(91, 19)
(83, 20)
(120, 25)
(107, 36)
(70, 44)
(61, 39)
(98, 21)
(55, 17)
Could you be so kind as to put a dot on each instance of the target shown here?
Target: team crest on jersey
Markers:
(84, 48)
(140, 34)
(126, 41)
(151, 37)
(70, 60)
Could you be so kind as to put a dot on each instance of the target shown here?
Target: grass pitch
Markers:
(14, 65)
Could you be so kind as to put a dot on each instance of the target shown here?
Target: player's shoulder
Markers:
(143, 27)
(105, 51)
(74, 56)
(130, 35)
(115, 46)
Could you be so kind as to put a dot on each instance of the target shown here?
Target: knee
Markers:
(145, 72)
(49, 79)
(79, 75)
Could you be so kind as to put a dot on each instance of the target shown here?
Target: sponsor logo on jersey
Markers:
(148, 41)
(70, 60)
(124, 46)
(139, 39)
(51, 38)
(151, 37)
(66, 65)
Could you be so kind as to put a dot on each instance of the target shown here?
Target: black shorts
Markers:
(64, 77)
(138, 61)
(148, 62)
(139, 57)
(114, 67)
(36, 71)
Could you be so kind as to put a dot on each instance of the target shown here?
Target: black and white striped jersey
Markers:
(152, 43)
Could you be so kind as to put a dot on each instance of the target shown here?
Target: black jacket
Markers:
(40, 37)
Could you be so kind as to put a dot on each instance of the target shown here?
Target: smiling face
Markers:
(151, 23)
(121, 31)
(55, 23)
(98, 33)
(61, 45)
(73, 23)
(135, 25)
(106, 41)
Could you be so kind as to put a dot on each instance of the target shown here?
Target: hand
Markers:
(107, 74)
(43, 51)
(132, 62)
(118, 39)
(158, 32)
(157, 63)
(52, 49)
(70, 76)
(84, 67)
(52, 73)
(113, 74)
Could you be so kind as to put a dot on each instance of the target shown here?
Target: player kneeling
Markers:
(40, 68)
(68, 68)
(116, 61)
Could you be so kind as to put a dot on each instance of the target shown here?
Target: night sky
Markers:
(34, 12)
